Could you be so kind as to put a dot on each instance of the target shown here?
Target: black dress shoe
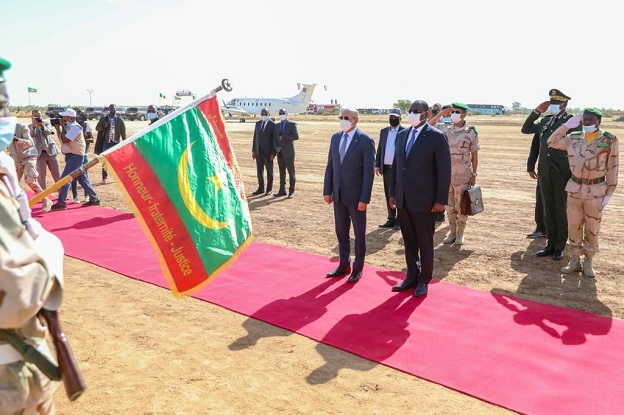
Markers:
(389, 224)
(291, 195)
(355, 276)
(421, 290)
(280, 193)
(268, 193)
(339, 272)
(406, 284)
(537, 233)
(258, 192)
(397, 227)
(557, 255)
(547, 250)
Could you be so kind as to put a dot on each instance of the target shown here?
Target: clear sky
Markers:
(479, 52)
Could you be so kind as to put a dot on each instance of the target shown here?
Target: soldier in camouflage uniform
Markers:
(31, 272)
(464, 144)
(593, 155)
(24, 153)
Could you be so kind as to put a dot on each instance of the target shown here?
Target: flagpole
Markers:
(29, 98)
(225, 85)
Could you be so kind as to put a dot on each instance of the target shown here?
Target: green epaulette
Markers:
(609, 136)
(473, 128)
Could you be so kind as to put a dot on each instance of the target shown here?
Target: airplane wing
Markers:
(229, 112)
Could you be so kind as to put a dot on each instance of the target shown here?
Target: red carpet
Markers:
(519, 354)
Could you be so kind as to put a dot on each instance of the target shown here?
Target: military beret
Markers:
(556, 95)
(4, 65)
(460, 106)
(594, 111)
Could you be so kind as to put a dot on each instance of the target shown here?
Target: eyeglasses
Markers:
(346, 118)
(414, 112)
(456, 112)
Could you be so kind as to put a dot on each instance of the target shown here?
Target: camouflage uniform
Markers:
(463, 141)
(24, 153)
(594, 169)
(31, 266)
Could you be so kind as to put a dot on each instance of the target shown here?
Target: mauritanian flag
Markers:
(32, 90)
(182, 178)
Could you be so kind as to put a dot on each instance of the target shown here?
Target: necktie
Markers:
(282, 127)
(263, 124)
(410, 143)
(343, 146)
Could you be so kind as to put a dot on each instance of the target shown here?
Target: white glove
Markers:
(574, 121)
(605, 200)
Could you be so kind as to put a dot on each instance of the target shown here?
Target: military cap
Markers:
(556, 95)
(395, 111)
(460, 106)
(4, 65)
(594, 111)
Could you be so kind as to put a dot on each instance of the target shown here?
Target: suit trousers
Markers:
(417, 229)
(46, 161)
(262, 163)
(539, 209)
(388, 171)
(554, 198)
(286, 164)
(343, 217)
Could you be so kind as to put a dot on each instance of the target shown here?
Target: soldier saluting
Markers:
(553, 170)
(594, 164)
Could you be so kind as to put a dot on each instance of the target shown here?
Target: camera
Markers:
(38, 119)
(55, 121)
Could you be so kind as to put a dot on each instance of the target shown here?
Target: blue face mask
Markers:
(151, 115)
(554, 109)
(7, 131)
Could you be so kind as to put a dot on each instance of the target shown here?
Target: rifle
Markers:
(70, 373)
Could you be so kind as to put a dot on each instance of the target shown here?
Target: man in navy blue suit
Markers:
(348, 184)
(419, 189)
(263, 151)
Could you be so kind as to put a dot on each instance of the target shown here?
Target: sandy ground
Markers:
(144, 352)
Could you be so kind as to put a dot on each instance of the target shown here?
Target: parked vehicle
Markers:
(136, 113)
(94, 112)
(54, 112)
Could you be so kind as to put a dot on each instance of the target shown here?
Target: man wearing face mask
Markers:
(152, 114)
(285, 135)
(384, 160)
(464, 143)
(263, 151)
(348, 183)
(419, 188)
(553, 171)
(111, 130)
(73, 147)
(594, 165)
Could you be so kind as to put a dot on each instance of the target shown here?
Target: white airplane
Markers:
(247, 107)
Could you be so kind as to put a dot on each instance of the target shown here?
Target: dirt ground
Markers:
(144, 352)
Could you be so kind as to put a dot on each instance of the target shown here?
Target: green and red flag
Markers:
(182, 179)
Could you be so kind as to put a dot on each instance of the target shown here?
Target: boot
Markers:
(451, 236)
(46, 204)
(574, 265)
(459, 239)
(588, 268)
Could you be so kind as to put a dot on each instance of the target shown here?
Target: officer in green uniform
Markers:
(553, 170)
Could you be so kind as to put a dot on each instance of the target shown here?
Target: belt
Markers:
(588, 181)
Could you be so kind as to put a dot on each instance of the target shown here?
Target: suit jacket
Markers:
(423, 177)
(102, 132)
(381, 147)
(351, 181)
(263, 140)
(289, 135)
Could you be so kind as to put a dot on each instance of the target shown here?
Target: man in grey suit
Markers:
(348, 184)
(263, 151)
(419, 189)
(384, 160)
(285, 135)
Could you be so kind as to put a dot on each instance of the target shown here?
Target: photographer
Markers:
(73, 147)
(47, 151)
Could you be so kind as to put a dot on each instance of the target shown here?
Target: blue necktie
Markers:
(282, 127)
(343, 147)
(410, 143)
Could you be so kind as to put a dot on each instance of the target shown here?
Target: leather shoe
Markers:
(258, 192)
(291, 195)
(421, 290)
(268, 193)
(339, 272)
(278, 194)
(557, 255)
(389, 224)
(547, 250)
(537, 233)
(406, 284)
(397, 227)
(355, 276)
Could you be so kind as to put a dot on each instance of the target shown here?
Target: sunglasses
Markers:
(414, 112)
(456, 112)
(346, 118)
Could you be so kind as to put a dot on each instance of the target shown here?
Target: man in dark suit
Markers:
(263, 151)
(348, 184)
(285, 135)
(385, 158)
(419, 189)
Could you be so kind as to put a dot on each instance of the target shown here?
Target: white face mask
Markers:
(554, 109)
(455, 118)
(446, 120)
(590, 128)
(7, 131)
(283, 117)
(413, 119)
(345, 125)
(151, 115)
(264, 118)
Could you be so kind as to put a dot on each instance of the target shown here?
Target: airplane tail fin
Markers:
(305, 94)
